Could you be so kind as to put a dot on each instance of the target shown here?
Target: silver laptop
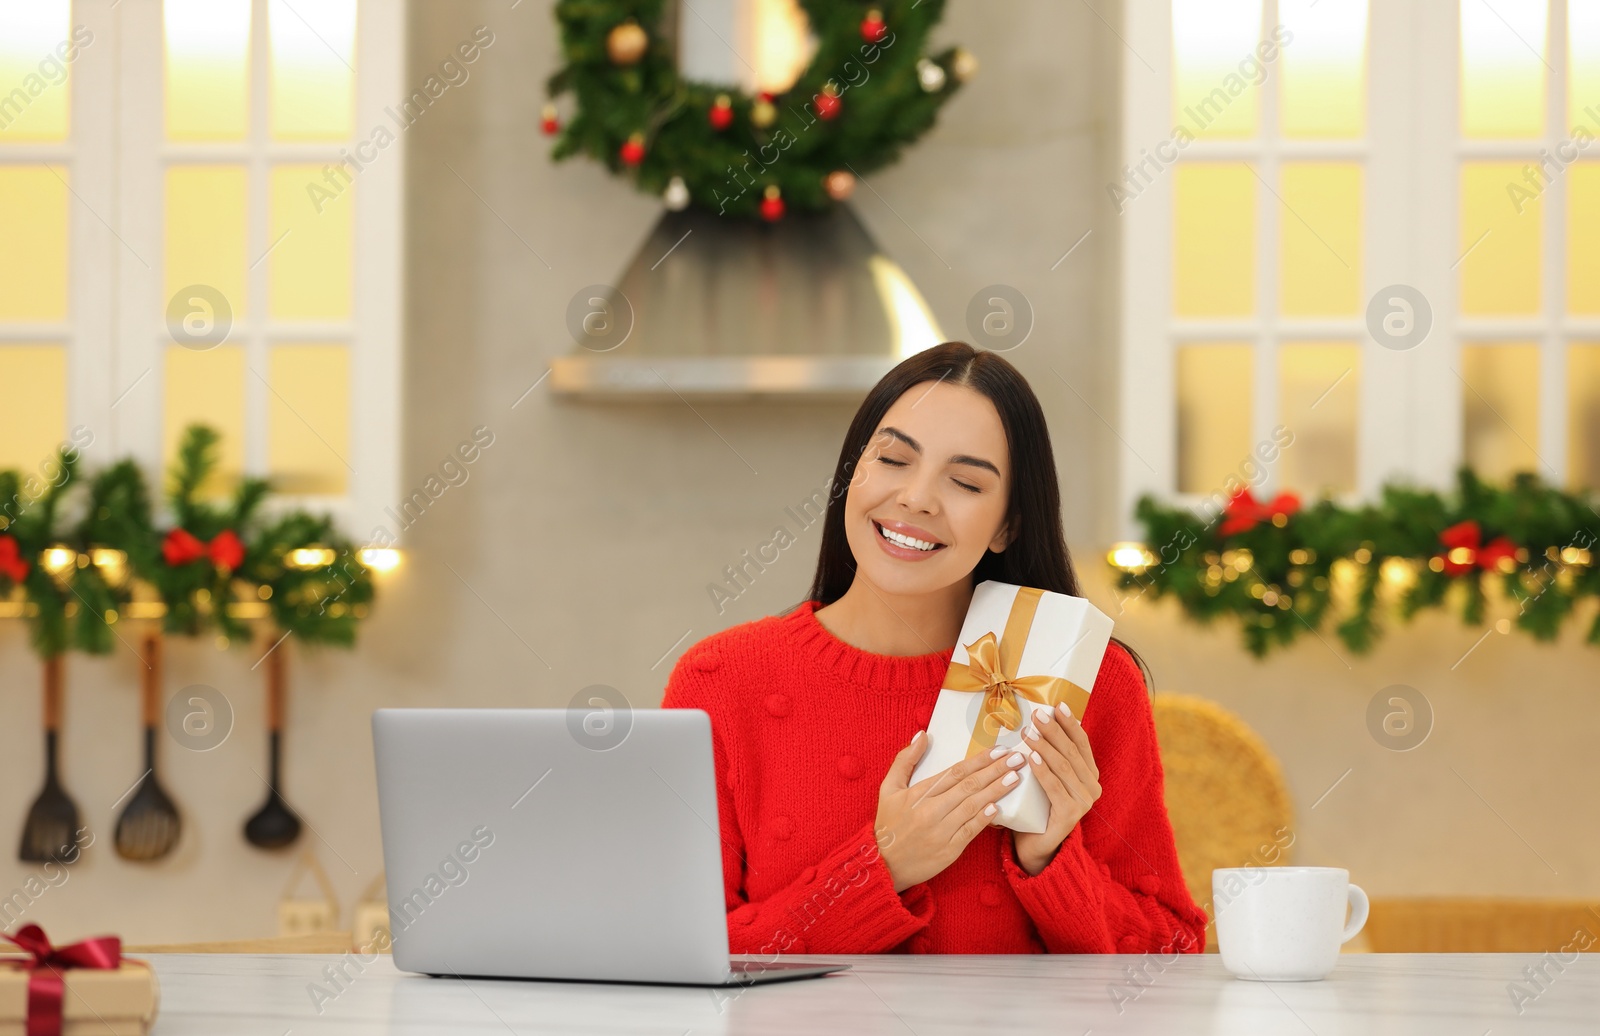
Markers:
(534, 843)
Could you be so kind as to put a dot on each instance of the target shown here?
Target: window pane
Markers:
(1583, 415)
(208, 69)
(308, 418)
(36, 42)
(1503, 68)
(33, 243)
(1211, 39)
(1214, 245)
(1583, 75)
(207, 387)
(1500, 242)
(1500, 398)
(1318, 395)
(1319, 232)
(1583, 241)
(1214, 393)
(313, 69)
(207, 223)
(309, 267)
(33, 405)
(1324, 90)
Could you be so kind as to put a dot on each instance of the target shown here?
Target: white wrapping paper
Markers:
(1067, 639)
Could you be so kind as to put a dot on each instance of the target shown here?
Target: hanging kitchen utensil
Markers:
(275, 825)
(149, 827)
(52, 823)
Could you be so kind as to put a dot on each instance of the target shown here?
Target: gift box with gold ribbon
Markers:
(1021, 649)
(86, 989)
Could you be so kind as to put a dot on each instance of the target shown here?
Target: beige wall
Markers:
(580, 549)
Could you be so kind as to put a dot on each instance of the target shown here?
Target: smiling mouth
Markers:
(908, 542)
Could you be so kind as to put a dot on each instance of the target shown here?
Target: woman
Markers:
(817, 715)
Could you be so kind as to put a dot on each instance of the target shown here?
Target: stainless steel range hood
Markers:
(723, 308)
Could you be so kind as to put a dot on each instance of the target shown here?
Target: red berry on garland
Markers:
(772, 204)
(828, 103)
(872, 27)
(722, 112)
(632, 152)
(551, 121)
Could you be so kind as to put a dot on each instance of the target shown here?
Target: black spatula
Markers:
(52, 823)
(149, 827)
(275, 824)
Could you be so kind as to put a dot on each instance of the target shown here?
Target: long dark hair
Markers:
(1038, 556)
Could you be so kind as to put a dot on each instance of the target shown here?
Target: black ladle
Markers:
(149, 827)
(52, 824)
(275, 825)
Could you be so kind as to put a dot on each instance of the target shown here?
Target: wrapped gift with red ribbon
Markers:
(86, 989)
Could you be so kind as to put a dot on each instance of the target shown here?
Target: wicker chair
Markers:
(1482, 925)
(1225, 793)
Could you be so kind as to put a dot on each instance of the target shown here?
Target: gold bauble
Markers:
(626, 43)
(964, 64)
(839, 184)
(763, 114)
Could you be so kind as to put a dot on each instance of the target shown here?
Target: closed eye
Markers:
(900, 464)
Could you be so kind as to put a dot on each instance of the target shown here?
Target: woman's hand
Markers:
(922, 828)
(1064, 766)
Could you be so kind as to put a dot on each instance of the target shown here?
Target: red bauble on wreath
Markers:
(828, 103)
(772, 207)
(873, 29)
(632, 152)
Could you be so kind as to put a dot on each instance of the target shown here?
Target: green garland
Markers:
(1282, 572)
(214, 562)
(29, 526)
(886, 103)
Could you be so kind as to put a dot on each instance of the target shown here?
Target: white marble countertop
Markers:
(1367, 995)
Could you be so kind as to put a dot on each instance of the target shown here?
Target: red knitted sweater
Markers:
(804, 727)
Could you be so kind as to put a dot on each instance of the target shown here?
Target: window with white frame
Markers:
(1360, 244)
(183, 238)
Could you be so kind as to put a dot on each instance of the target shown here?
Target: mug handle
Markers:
(1358, 913)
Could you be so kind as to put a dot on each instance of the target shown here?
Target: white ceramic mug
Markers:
(1284, 923)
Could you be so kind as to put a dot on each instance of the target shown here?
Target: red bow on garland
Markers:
(181, 547)
(12, 564)
(1244, 510)
(45, 985)
(1462, 551)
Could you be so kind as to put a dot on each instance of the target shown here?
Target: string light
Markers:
(1130, 556)
(380, 559)
(310, 557)
(58, 560)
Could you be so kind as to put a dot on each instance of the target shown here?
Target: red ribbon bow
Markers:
(1462, 551)
(1244, 510)
(181, 547)
(12, 564)
(45, 985)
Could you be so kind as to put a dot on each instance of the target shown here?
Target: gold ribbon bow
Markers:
(991, 668)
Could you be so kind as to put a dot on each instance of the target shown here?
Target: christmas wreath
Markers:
(868, 91)
(1523, 551)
